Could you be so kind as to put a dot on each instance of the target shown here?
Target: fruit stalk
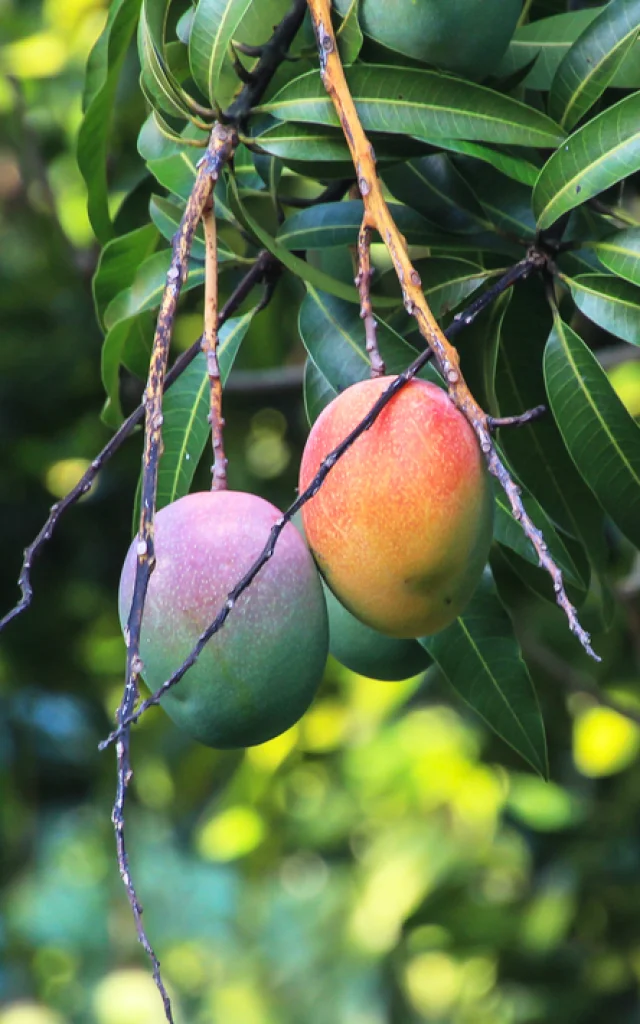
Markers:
(362, 282)
(210, 348)
(377, 216)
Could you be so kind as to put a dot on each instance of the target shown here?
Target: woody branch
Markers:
(378, 216)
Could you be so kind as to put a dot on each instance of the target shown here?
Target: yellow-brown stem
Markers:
(210, 348)
(377, 215)
(363, 284)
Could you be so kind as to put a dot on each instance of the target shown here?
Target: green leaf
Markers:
(511, 166)
(148, 286)
(548, 40)
(318, 392)
(329, 225)
(214, 26)
(162, 90)
(598, 155)
(123, 318)
(446, 281)
(609, 302)
(299, 267)
(481, 658)
(426, 104)
(185, 409)
(105, 67)
(349, 35)
(505, 203)
(620, 253)
(333, 335)
(537, 452)
(118, 264)
(122, 333)
(477, 347)
(601, 436)
(509, 533)
(166, 215)
(434, 187)
(590, 64)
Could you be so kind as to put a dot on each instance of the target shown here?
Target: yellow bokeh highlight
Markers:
(41, 55)
(267, 757)
(542, 805)
(625, 380)
(233, 833)
(432, 982)
(128, 996)
(324, 727)
(239, 1004)
(604, 742)
(63, 475)
(154, 784)
(186, 965)
(29, 1013)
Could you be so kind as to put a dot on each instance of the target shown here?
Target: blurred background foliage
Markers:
(387, 859)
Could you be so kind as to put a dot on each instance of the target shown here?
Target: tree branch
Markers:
(378, 216)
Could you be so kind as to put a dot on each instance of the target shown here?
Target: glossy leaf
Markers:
(119, 262)
(105, 66)
(481, 658)
(185, 408)
(333, 335)
(446, 281)
(598, 155)
(166, 216)
(611, 303)
(123, 316)
(506, 203)
(590, 64)
(112, 358)
(310, 274)
(161, 89)
(212, 29)
(349, 34)
(620, 253)
(537, 452)
(509, 533)
(328, 225)
(548, 40)
(318, 392)
(601, 436)
(478, 346)
(434, 187)
(426, 104)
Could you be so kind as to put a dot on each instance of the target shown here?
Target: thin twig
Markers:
(362, 282)
(379, 216)
(210, 349)
(219, 150)
(263, 266)
(473, 310)
(496, 422)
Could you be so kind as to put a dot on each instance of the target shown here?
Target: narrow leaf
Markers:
(590, 64)
(349, 35)
(601, 436)
(212, 29)
(547, 40)
(426, 104)
(318, 392)
(93, 136)
(118, 264)
(433, 186)
(620, 253)
(611, 303)
(601, 153)
(333, 335)
(481, 658)
(329, 225)
(185, 409)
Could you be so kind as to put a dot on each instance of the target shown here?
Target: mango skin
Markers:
(365, 650)
(258, 675)
(402, 525)
(468, 37)
(368, 652)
